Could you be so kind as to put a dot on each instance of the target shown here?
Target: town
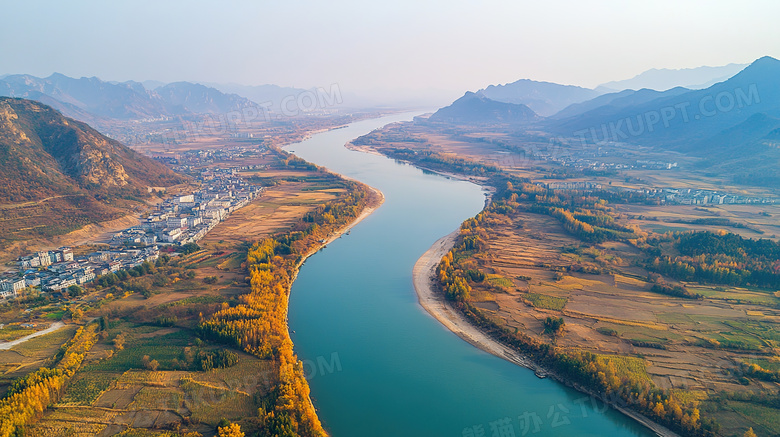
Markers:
(176, 221)
(671, 196)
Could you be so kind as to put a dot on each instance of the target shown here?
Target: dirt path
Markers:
(36, 202)
(424, 274)
(9, 344)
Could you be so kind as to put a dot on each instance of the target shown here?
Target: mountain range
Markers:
(58, 174)
(91, 99)
(733, 125)
(686, 121)
(548, 99)
(44, 154)
(544, 98)
(665, 78)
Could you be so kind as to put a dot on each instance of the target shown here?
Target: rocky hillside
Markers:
(57, 174)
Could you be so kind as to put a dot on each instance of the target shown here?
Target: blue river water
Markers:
(377, 363)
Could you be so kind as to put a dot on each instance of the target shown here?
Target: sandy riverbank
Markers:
(424, 277)
(424, 274)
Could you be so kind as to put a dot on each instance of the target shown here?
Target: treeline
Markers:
(601, 374)
(674, 290)
(597, 373)
(258, 324)
(30, 395)
(755, 371)
(718, 258)
(583, 215)
(441, 162)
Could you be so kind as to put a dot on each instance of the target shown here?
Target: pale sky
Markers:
(367, 45)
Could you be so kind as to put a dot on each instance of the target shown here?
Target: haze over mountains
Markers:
(87, 98)
(545, 98)
(685, 119)
(44, 154)
(548, 99)
(734, 125)
(665, 78)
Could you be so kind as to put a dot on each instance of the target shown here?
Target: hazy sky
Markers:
(362, 45)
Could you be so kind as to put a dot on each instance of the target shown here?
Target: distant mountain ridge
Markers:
(664, 79)
(544, 98)
(474, 108)
(199, 99)
(682, 121)
(90, 99)
(263, 94)
(619, 99)
(90, 95)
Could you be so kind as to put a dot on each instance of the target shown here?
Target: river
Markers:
(377, 363)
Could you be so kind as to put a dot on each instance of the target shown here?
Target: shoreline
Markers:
(367, 211)
(335, 235)
(424, 278)
(435, 304)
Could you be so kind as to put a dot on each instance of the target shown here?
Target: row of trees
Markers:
(600, 374)
(30, 395)
(258, 324)
(441, 162)
(758, 372)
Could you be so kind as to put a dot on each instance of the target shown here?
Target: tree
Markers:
(553, 325)
(75, 291)
(149, 364)
(749, 433)
(76, 314)
(231, 430)
(119, 342)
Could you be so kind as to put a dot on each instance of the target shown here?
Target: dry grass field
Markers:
(698, 348)
(115, 392)
(615, 313)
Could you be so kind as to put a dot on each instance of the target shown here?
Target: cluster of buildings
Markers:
(571, 186)
(192, 159)
(56, 270)
(688, 196)
(187, 218)
(580, 164)
(678, 196)
(604, 156)
(179, 220)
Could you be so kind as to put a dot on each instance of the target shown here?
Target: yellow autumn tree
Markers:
(232, 430)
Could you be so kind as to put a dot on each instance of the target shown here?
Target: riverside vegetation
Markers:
(182, 344)
(599, 373)
(258, 324)
(604, 288)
